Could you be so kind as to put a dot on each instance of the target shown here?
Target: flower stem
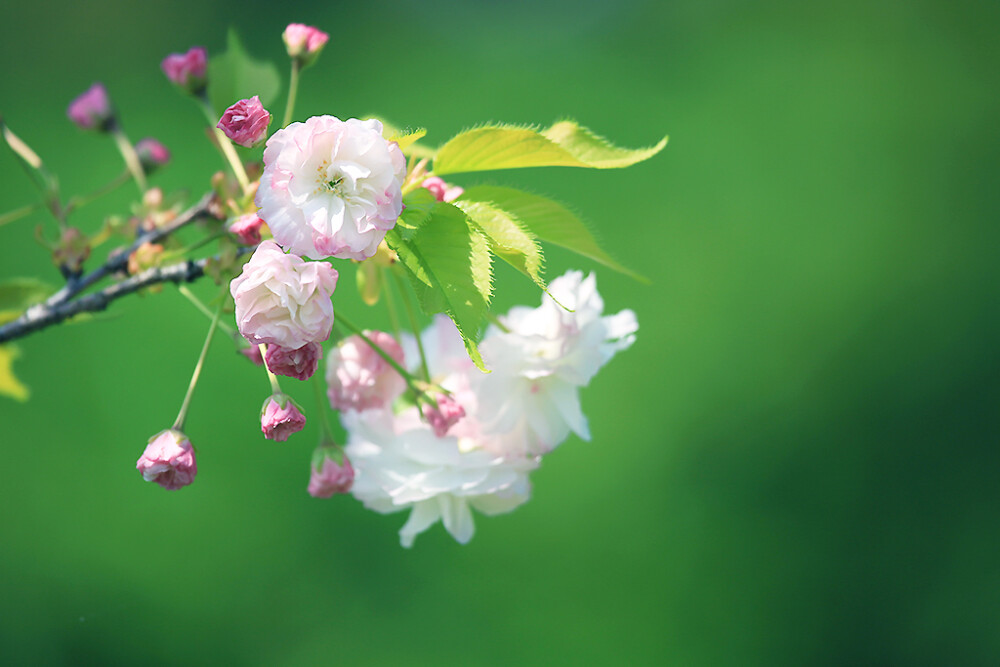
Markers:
(411, 381)
(322, 407)
(81, 201)
(293, 91)
(411, 314)
(225, 145)
(189, 295)
(390, 302)
(182, 415)
(131, 158)
(19, 213)
(496, 320)
(275, 387)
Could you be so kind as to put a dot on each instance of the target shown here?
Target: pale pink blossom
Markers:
(152, 154)
(330, 478)
(252, 352)
(299, 363)
(187, 70)
(247, 228)
(358, 378)
(441, 418)
(280, 417)
(282, 299)
(331, 188)
(245, 122)
(304, 41)
(442, 191)
(92, 109)
(168, 460)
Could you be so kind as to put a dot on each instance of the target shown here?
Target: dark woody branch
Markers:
(119, 261)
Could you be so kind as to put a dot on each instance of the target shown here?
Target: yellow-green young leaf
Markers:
(597, 151)
(9, 384)
(407, 138)
(369, 282)
(450, 268)
(507, 236)
(235, 75)
(565, 144)
(417, 207)
(548, 220)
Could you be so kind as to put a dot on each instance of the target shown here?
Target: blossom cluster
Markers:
(497, 426)
(428, 431)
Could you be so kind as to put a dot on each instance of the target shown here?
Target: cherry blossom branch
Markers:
(119, 261)
(44, 315)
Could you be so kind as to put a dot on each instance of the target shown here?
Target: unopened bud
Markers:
(72, 251)
(152, 154)
(245, 123)
(145, 257)
(188, 70)
(168, 460)
(442, 191)
(304, 42)
(331, 472)
(280, 417)
(441, 418)
(247, 228)
(300, 363)
(92, 109)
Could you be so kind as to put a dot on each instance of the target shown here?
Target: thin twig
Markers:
(44, 315)
(119, 261)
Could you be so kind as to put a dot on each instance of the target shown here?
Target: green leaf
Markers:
(548, 220)
(450, 268)
(565, 144)
(234, 76)
(9, 384)
(507, 236)
(407, 138)
(418, 206)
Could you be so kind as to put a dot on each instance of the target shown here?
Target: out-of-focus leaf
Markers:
(10, 386)
(234, 75)
(16, 294)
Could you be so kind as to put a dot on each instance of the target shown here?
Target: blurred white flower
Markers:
(399, 463)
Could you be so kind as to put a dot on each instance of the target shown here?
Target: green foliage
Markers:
(565, 144)
(547, 220)
(450, 267)
(508, 237)
(234, 75)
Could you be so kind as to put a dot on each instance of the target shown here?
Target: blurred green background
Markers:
(795, 464)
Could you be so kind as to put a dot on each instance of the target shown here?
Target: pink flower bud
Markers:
(168, 460)
(245, 123)
(280, 417)
(247, 228)
(92, 109)
(441, 190)
(304, 42)
(444, 416)
(252, 352)
(358, 378)
(188, 70)
(152, 154)
(300, 363)
(329, 476)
